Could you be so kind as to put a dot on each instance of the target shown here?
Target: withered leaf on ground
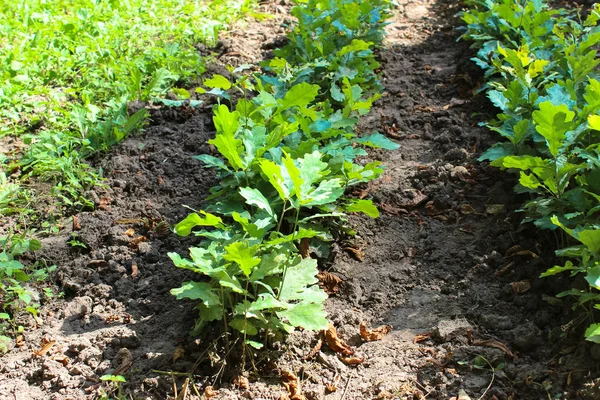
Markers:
(371, 335)
(355, 252)
(520, 287)
(335, 343)
(209, 392)
(432, 210)
(45, 348)
(184, 390)
(467, 209)
(112, 318)
(352, 360)
(134, 270)
(315, 350)
(524, 253)
(129, 232)
(135, 242)
(178, 353)
(292, 384)
(512, 250)
(104, 203)
(304, 247)
(494, 209)
(417, 199)
(61, 358)
(494, 343)
(422, 337)
(329, 282)
(76, 224)
(126, 361)
(241, 382)
(392, 210)
(331, 387)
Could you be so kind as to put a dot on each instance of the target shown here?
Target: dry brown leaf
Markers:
(335, 343)
(494, 209)
(512, 250)
(331, 387)
(352, 360)
(129, 232)
(506, 269)
(126, 361)
(467, 209)
(315, 349)
(431, 209)
(76, 224)
(209, 392)
(20, 341)
(292, 384)
(162, 228)
(525, 253)
(45, 348)
(370, 335)
(134, 270)
(356, 252)
(418, 198)
(520, 287)
(112, 318)
(392, 210)
(496, 344)
(304, 247)
(61, 358)
(454, 102)
(178, 354)
(422, 337)
(329, 282)
(104, 203)
(241, 382)
(135, 242)
(97, 263)
(184, 390)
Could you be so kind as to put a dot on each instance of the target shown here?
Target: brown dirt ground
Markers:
(440, 261)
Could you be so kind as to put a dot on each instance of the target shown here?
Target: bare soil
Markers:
(447, 265)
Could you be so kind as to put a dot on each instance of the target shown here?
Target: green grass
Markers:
(68, 68)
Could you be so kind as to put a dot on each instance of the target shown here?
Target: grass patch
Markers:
(69, 68)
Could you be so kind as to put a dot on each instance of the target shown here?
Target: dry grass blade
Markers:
(496, 344)
(184, 390)
(45, 348)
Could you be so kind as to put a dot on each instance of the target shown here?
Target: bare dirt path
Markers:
(439, 263)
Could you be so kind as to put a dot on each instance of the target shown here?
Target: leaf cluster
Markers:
(286, 158)
(541, 70)
(16, 293)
